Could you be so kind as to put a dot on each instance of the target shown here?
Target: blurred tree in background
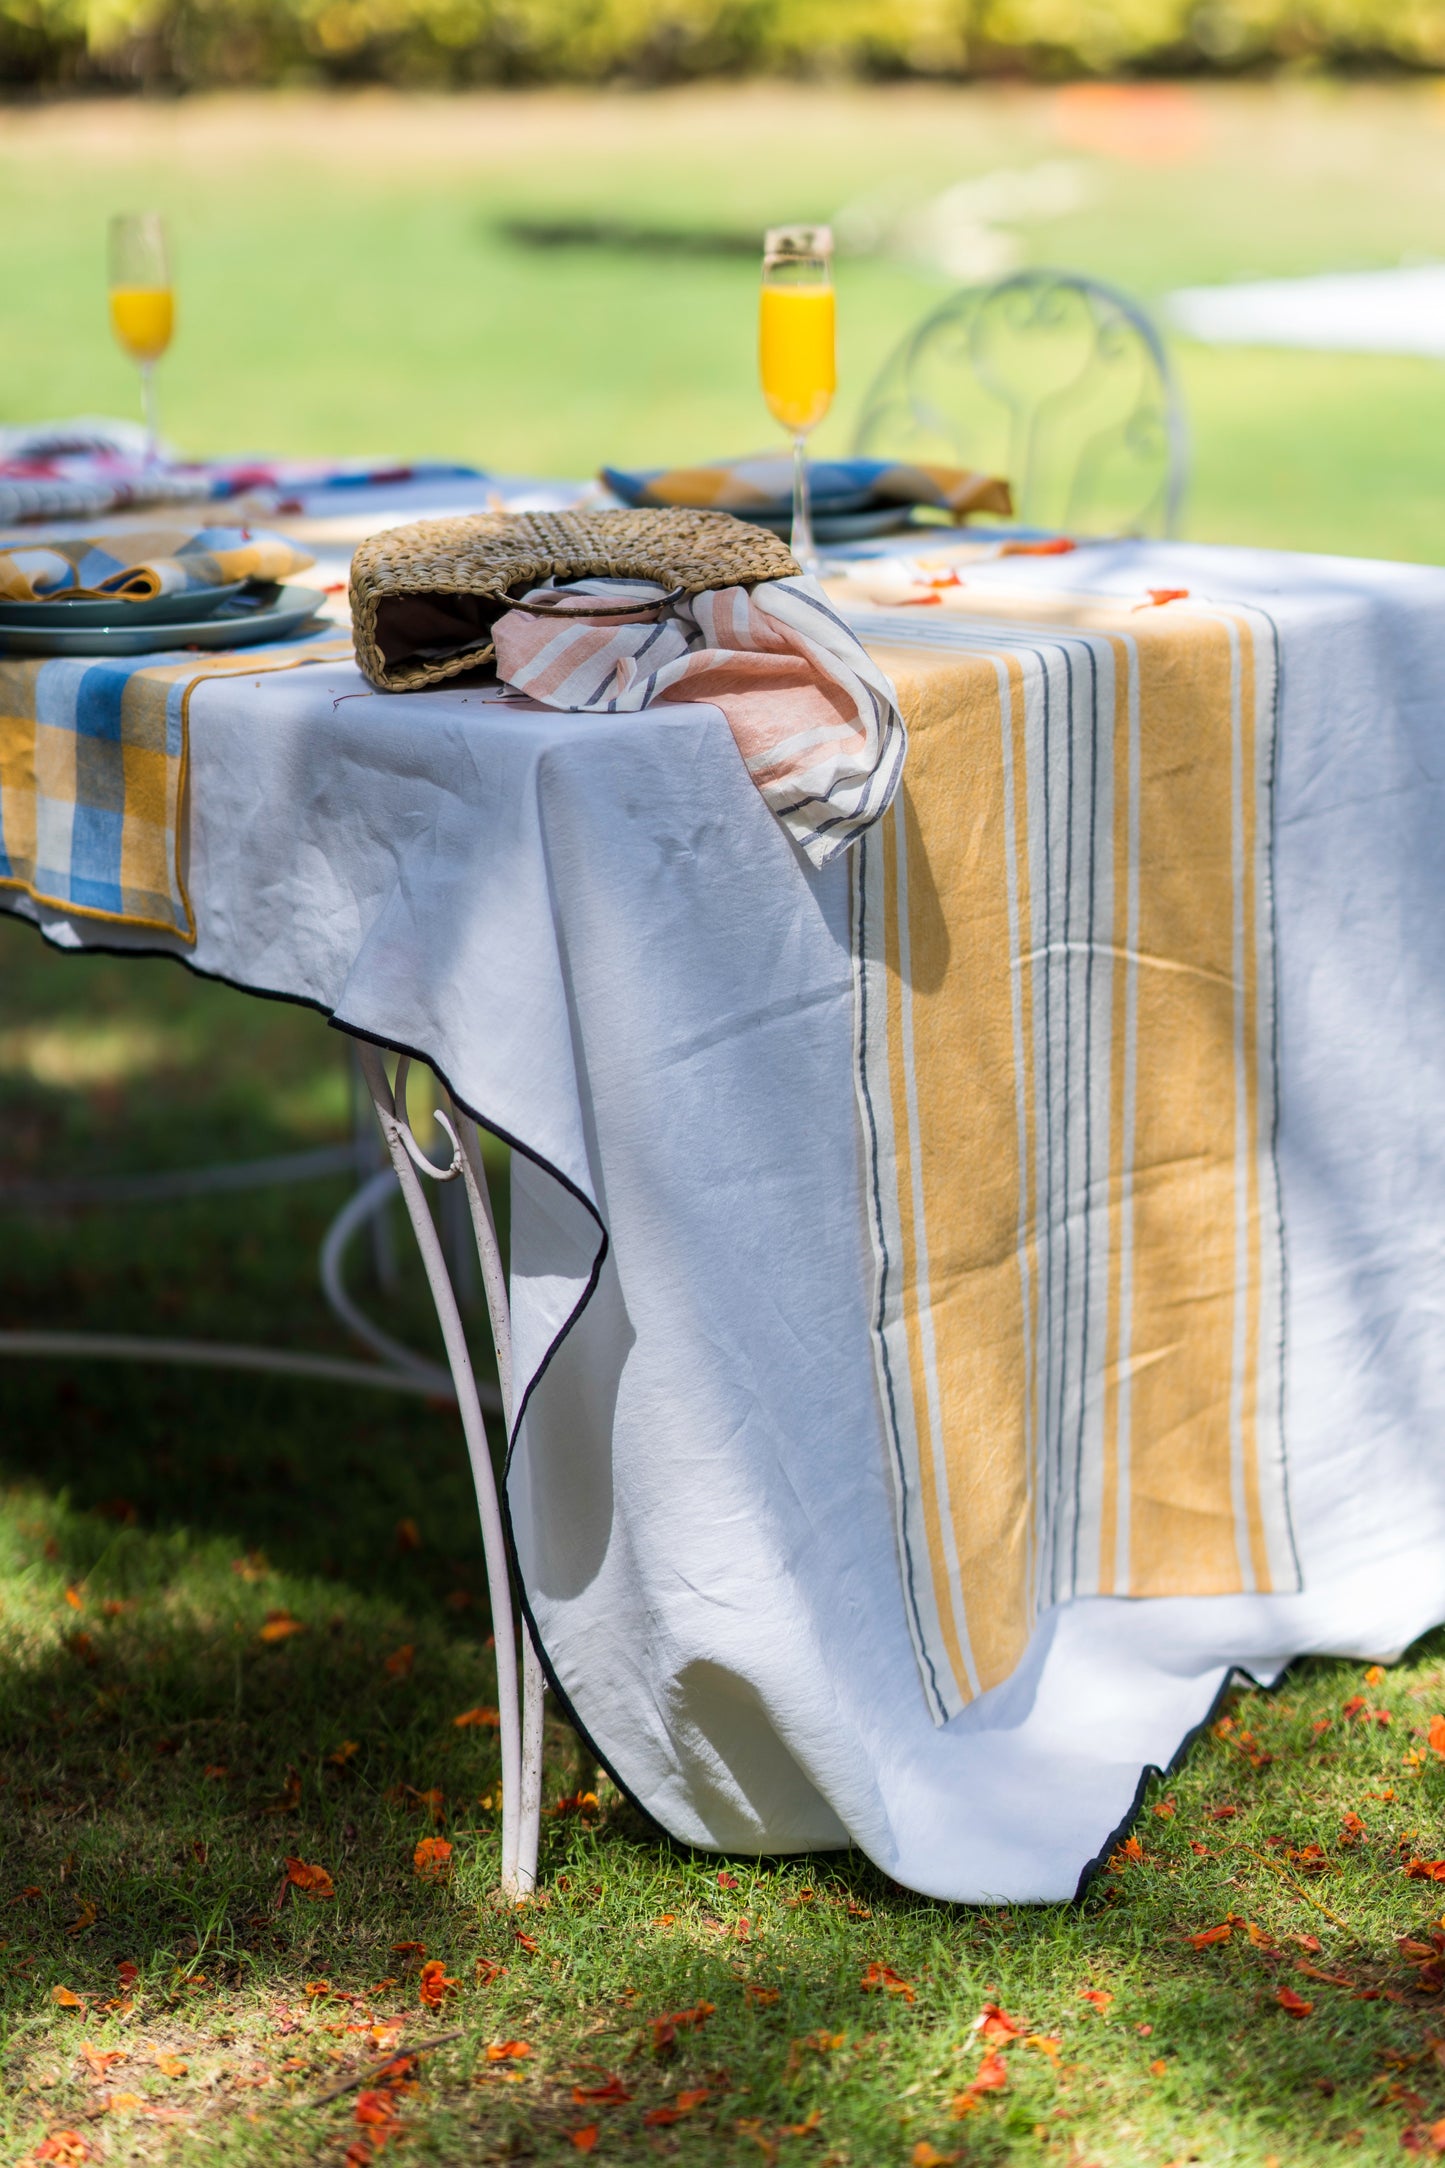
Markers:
(181, 44)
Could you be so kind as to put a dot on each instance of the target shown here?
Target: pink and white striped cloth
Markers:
(815, 720)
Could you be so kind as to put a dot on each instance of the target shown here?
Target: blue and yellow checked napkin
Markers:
(764, 487)
(150, 561)
(92, 777)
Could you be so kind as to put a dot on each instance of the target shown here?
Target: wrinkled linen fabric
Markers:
(595, 930)
(814, 718)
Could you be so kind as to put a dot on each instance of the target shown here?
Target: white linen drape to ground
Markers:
(597, 932)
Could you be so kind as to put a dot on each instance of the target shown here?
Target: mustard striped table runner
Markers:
(1063, 943)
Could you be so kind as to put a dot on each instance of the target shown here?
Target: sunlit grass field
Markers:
(345, 287)
(239, 1619)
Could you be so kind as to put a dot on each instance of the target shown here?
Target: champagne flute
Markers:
(796, 351)
(142, 305)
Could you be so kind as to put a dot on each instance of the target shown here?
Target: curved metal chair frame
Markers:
(1108, 414)
(400, 1368)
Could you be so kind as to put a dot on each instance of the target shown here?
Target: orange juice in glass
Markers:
(796, 351)
(142, 303)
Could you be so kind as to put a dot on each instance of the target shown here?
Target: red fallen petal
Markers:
(1294, 2004)
(613, 2093)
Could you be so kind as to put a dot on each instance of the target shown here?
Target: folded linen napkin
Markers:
(78, 469)
(815, 719)
(764, 487)
(150, 561)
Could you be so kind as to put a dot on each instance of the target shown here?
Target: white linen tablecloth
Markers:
(595, 930)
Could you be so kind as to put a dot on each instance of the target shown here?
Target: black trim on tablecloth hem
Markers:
(1152, 1769)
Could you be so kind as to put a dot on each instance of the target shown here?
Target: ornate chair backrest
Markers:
(1054, 380)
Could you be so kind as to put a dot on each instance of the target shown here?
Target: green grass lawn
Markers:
(344, 286)
(167, 1994)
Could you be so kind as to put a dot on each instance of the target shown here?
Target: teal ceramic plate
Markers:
(266, 613)
(156, 610)
(833, 527)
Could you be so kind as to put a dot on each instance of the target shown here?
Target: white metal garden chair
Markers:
(1053, 379)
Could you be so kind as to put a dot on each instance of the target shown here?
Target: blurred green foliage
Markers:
(188, 43)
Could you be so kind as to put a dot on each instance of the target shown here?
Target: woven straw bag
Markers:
(424, 598)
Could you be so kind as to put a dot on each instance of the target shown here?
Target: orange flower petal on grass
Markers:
(399, 1664)
(66, 2148)
(478, 1720)
(1209, 1935)
(432, 1858)
(585, 2138)
(1098, 1996)
(1435, 1737)
(925, 2155)
(67, 1998)
(1295, 2005)
(312, 1882)
(508, 2051)
(610, 2095)
(686, 2103)
(996, 2026)
(434, 1986)
(100, 2060)
(375, 2107)
(892, 1983)
(280, 1626)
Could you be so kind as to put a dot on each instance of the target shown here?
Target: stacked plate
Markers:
(837, 524)
(241, 615)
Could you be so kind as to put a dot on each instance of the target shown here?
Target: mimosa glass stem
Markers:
(149, 410)
(802, 543)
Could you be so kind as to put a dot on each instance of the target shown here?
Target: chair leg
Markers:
(410, 1164)
(534, 1684)
(529, 1828)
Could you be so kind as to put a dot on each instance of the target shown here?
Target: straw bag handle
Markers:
(611, 609)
